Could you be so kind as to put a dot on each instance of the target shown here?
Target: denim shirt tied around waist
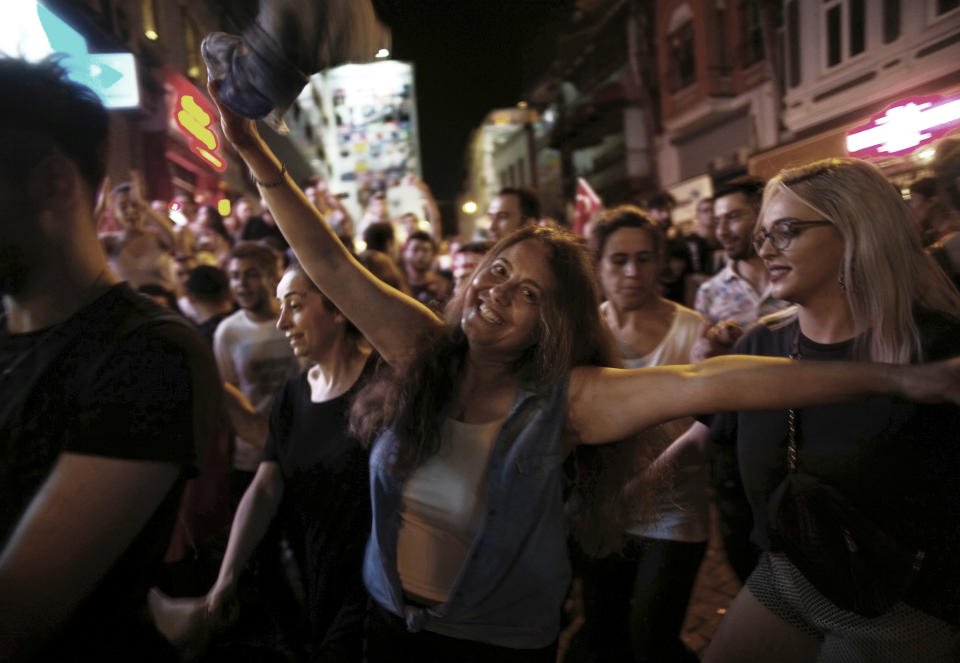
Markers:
(516, 574)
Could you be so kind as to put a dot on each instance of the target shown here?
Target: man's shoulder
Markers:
(711, 289)
(233, 323)
(126, 324)
(720, 279)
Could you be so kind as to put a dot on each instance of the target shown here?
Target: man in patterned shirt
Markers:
(741, 290)
(740, 293)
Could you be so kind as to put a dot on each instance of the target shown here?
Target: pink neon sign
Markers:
(904, 126)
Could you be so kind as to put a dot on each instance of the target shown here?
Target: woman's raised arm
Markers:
(390, 320)
(608, 404)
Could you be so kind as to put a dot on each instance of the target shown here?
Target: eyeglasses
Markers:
(783, 231)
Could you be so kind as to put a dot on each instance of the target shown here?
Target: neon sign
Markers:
(904, 126)
(195, 121)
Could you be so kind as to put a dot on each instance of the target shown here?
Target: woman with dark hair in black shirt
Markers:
(313, 475)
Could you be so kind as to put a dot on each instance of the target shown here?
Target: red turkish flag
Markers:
(587, 204)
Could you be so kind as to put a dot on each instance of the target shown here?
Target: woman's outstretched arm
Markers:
(390, 320)
(608, 404)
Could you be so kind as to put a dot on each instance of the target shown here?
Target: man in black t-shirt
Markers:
(105, 398)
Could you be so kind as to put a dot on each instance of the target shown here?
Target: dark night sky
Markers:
(470, 56)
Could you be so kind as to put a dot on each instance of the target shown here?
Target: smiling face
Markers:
(629, 267)
(503, 302)
(808, 268)
(735, 223)
(251, 285)
(309, 325)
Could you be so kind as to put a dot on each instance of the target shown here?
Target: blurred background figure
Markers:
(465, 259)
(142, 251)
(512, 208)
(245, 208)
(379, 236)
(427, 285)
(207, 291)
(932, 213)
(677, 265)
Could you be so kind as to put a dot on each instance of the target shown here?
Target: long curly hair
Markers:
(412, 398)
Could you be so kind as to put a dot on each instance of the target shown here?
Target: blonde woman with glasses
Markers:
(839, 243)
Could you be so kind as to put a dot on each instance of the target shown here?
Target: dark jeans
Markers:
(657, 576)
(388, 640)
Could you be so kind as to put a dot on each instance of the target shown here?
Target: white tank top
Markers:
(442, 506)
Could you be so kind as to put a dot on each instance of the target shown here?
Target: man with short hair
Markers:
(741, 290)
(465, 261)
(510, 209)
(208, 293)
(426, 285)
(252, 354)
(105, 399)
(379, 236)
(660, 208)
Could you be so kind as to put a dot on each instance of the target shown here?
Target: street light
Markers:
(470, 207)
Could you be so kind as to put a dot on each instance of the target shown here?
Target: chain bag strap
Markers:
(840, 550)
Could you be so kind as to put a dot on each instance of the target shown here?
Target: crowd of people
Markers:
(261, 437)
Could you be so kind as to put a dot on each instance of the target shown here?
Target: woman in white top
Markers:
(659, 560)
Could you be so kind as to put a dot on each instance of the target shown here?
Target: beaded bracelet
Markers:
(280, 179)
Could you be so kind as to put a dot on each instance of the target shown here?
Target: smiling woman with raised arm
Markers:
(872, 577)
(467, 555)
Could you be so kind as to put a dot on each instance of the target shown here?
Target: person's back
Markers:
(106, 398)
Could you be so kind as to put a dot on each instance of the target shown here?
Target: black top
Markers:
(125, 384)
(326, 510)
(899, 462)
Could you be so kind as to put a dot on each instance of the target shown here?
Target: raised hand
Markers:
(240, 131)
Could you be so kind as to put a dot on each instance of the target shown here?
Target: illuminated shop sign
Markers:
(195, 118)
(904, 126)
(31, 31)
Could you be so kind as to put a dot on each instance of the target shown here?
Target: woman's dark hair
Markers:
(349, 329)
(624, 216)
